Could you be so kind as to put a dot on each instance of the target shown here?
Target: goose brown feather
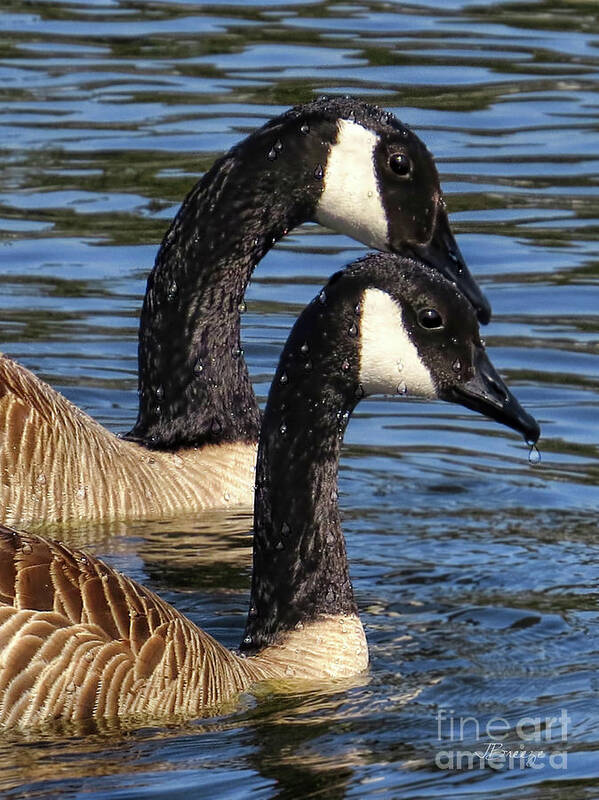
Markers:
(79, 640)
(59, 464)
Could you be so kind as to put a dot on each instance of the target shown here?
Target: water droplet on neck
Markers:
(457, 365)
(343, 417)
(279, 545)
(278, 145)
(283, 379)
(304, 129)
(318, 172)
(26, 548)
(241, 307)
(172, 291)
(402, 388)
(159, 392)
(353, 329)
(198, 368)
(534, 456)
(236, 352)
(247, 639)
(357, 309)
(322, 297)
(345, 365)
(253, 612)
(283, 429)
(304, 348)
(272, 154)
(308, 365)
(399, 365)
(359, 393)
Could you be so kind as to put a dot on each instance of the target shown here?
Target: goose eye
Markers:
(401, 164)
(430, 318)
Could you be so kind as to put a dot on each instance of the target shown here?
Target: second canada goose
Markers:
(78, 640)
(341, 162)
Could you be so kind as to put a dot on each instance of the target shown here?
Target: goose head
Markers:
(379, 185)
(420, 338)
(391, 325)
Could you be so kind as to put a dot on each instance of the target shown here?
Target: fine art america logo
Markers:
(525, 743)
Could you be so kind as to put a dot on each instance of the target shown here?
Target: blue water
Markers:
(475, 572)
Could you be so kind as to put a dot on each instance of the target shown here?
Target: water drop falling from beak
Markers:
(534, 455)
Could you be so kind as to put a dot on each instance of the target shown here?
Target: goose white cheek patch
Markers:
(351, 201)
(389, 360)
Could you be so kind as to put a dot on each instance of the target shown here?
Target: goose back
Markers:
(80, 641)
(57, 463)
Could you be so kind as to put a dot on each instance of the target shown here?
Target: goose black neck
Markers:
(300, 567)
(194, 386)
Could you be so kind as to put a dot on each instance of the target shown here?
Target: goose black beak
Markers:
(486, 393)
(442, 252)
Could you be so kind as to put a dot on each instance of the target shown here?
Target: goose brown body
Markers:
(78, 640)
(57, 463)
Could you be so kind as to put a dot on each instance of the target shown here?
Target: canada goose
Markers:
(341, 162)
(79, 640)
